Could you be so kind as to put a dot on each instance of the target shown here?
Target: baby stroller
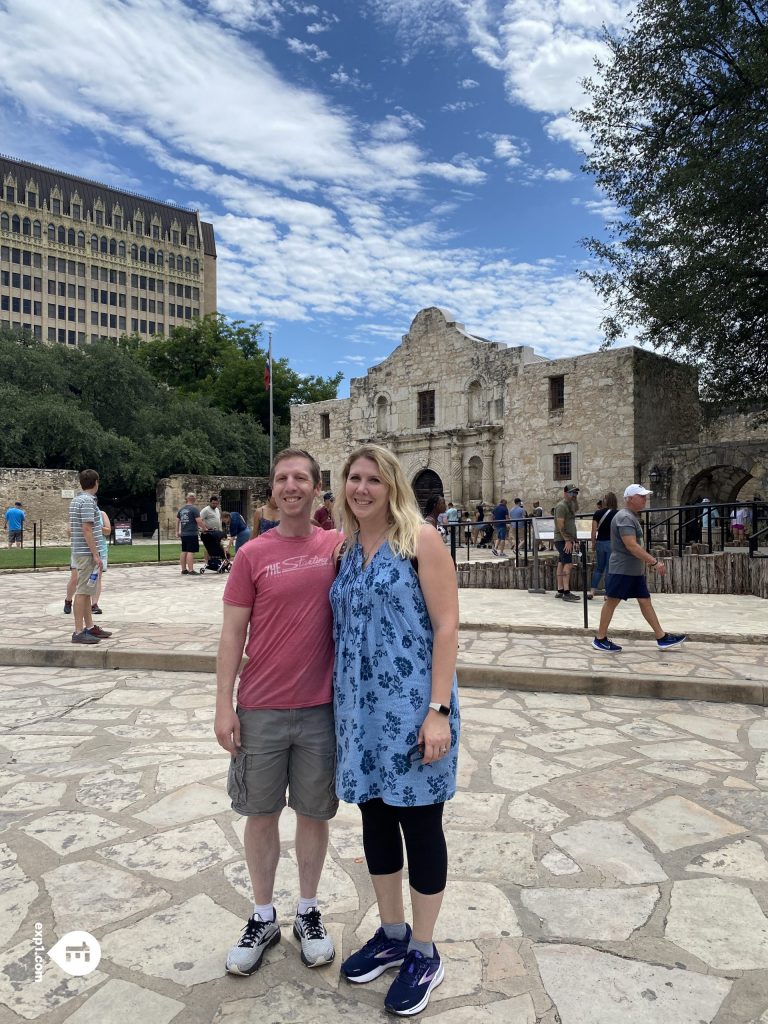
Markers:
(213, 542)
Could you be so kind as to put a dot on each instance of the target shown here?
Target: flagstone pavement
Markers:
(608, 855)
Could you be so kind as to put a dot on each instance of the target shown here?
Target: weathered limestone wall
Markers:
(172, 493)
(306, 432)
(595, 426)
(45, 495)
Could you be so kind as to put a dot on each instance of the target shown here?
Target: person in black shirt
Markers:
(601, 538)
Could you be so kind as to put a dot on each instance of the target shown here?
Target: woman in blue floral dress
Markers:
(396, 615)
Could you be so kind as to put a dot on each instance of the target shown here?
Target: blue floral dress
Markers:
(382, 684)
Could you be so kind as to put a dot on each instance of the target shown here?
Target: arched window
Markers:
(171, 261)
(475, 409)
(15, 224)
(81, 239)
(62, 235)
(26, 226)
(94, 243)
(37, 229)
(5, 222)
(188, 265)
(71, 237)
(104, 244)
(51, 232)
(143, 254)
(382, 409)
(112, 247)
(159, 257)
(134, 251)
(195, 266)
(121, 249)
(151, 255)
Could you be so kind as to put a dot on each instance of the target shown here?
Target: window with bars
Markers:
(561, 466)
(556, 393)
(325, 479)
(426, 409)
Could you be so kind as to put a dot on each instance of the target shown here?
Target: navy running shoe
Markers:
(376, 956)
(670, 640)
(605, 645)
(409, 992)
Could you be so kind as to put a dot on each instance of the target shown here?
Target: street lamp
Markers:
(655, 476)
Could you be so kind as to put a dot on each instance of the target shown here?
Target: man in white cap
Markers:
(626, 573)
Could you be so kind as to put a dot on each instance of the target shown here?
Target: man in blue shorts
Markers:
(626, 573)
(501, 522)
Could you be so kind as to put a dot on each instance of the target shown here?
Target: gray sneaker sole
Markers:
(248, 971)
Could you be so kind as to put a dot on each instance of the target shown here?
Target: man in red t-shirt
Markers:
(281, 736)
(324, 515)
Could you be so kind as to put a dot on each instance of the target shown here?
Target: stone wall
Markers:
(172, 492)
(45, 495)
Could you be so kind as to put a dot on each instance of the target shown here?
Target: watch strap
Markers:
(442, 709)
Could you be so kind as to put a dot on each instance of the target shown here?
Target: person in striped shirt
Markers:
(86, 537)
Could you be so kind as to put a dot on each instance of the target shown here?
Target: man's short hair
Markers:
(88, 479)
(213, 497)
(19, 505)
(191, 496)
(296, 453)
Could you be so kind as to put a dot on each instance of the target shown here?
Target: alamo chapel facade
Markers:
(478, 420)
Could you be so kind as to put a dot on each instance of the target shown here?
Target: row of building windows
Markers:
(27, 258)
(17, 305)
(114, 220)
(23, 281)
(108, 246)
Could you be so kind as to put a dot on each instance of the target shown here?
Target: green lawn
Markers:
(16, 558)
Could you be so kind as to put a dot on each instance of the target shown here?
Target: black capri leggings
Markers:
(422, 829)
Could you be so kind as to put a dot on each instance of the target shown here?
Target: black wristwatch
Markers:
(443, 709)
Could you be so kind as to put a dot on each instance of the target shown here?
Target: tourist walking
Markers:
(323, 516)
(517, 519)
(565, 540)
(86, 541)
(500, 518)
(601, 539)
(14, 523)
(281, 735)
(211, 514)
(395, 608)
(189, 525)
(626, 573)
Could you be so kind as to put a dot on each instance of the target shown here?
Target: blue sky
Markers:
(360, 159)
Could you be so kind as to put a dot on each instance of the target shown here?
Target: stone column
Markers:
(488, 473)
(457, 490)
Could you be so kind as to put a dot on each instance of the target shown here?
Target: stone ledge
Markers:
(627, 634)
(470, 676)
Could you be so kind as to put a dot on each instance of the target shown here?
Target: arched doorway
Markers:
(718, 483)
(425, 484)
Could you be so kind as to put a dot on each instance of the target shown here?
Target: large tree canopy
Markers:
(679, 127)
(224, 362)
(65, 408)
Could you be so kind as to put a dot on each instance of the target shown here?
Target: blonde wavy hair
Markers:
(404, 516)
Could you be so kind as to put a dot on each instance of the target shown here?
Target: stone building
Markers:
(81, 261)
(45, 495)
(243, 494)
(479, 420)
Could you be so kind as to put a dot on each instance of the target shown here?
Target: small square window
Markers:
(561, 466)
(426, 409)
(556, 393)
(325, 479)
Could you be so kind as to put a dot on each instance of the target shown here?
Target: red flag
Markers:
(267, 375)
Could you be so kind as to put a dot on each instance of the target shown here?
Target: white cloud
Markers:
(509, 149)
(468, 83)
(558, 174)
(600, 207)
(248, 14)
(310, 50)
(458, 106)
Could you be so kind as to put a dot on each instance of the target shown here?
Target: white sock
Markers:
(306, 904)
(265, 911)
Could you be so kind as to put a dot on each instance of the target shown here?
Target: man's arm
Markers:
(234, 630)
(90, 540)
(632, 546)
(201, 525)
(561, 528)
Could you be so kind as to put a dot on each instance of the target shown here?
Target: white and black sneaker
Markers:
(247, 956)
(316, 944)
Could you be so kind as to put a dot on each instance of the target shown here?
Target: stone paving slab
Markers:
(608, 861)
(164, 621)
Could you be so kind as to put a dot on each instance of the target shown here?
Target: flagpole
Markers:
(271, 405)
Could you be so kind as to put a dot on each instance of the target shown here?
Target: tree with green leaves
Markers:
(70, 408)
(678, 123)
(224, 361)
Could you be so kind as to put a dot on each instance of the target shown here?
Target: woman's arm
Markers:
(437, 577)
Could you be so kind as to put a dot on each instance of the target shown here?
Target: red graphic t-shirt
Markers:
(285, 582)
